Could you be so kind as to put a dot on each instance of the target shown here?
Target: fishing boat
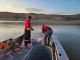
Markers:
(38, 51)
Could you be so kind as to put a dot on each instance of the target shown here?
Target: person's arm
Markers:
(32, 29)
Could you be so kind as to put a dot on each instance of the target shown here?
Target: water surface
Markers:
(68, 35)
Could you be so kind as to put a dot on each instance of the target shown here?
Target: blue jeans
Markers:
(47, 37)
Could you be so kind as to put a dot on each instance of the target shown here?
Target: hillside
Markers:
(21, 16)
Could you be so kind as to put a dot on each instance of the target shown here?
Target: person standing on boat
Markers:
(28, 29)
(48, 33)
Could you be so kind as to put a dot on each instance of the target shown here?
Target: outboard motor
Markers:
(39, 52)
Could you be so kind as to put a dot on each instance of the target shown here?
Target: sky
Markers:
(41, 6)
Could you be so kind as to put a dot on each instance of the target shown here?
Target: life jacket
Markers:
(44, 28)
(2, 45)
(27, 24)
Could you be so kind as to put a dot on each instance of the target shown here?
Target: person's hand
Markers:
(32, 29)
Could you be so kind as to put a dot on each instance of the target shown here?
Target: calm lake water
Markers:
(68, 35)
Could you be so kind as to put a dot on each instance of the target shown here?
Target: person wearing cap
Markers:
(28, 29)
(48, 33)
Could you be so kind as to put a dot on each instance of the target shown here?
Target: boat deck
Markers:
(19, 55)
(24, 51)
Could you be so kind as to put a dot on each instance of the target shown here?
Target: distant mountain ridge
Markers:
(21, 16)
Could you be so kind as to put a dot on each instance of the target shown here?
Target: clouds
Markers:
(12, 1)
(16, 3)
(38, 6)
(17, 9)
(12, 8)
(16, 6)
